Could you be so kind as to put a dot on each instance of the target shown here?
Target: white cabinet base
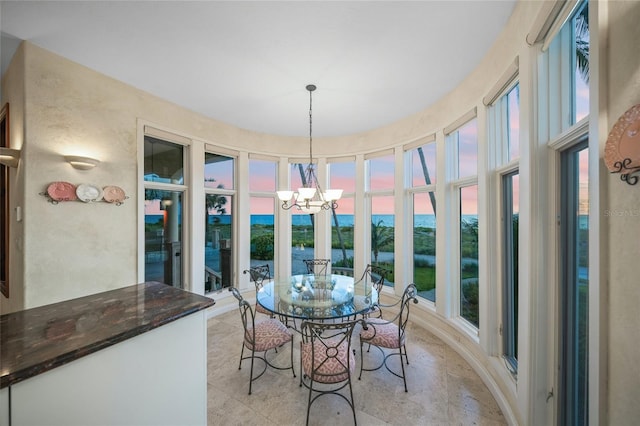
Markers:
(157, 378)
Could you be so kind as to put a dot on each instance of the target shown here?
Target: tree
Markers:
(380, 236)
(582, 42)
(427, 179)
(214, 202)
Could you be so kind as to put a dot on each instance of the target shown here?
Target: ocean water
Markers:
(424, 220)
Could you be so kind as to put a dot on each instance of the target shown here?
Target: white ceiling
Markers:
(247, 63)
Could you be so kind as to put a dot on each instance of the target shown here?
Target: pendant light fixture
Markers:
(310, 198)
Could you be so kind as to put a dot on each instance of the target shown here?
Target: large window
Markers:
(423, 178)
(219, 190)
(510, 291)
(343, 175)
(163, 211)
(262, 185)
(302, 226)
(381, 180)
(463, 147)
(504, 136)
(574, 291)
(469, 289)
(580, 61)
(564, 75)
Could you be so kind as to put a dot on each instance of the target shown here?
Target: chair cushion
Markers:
(270, 333)
(381, 333)
(330, 365)
(262, 310)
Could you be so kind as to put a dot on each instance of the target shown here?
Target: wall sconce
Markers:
(81, 163)
(9, 157)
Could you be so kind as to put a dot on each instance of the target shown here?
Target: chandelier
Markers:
(310, 198)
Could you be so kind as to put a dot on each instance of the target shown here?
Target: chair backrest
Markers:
(374, 275)
(332, 360)
(408, 296)
(317, 266)
(258, 274)
(248, 317)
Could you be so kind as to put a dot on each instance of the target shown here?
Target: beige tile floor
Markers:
(443, 389)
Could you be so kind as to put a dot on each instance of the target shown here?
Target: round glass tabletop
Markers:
(317, 297)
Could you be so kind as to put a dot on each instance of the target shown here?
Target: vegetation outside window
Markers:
(219, 236)
(423, 178)
(262, 185)
(343, 175)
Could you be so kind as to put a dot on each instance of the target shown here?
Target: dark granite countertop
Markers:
(37, 340)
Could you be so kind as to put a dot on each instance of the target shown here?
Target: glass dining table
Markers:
(317, 297)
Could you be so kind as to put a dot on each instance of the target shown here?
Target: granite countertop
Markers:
(37, 340)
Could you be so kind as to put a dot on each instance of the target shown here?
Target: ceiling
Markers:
(247, 63)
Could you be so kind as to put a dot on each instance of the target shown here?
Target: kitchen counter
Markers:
(37, 340)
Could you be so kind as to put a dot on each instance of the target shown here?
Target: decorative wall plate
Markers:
(114, 194)
(623, 142)
(62, 191)
(88, 193)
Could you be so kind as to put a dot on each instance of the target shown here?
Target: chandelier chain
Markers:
(310, 126)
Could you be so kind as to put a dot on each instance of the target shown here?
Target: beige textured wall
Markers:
(623, 220)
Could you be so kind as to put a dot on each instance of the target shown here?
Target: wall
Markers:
(622, 216)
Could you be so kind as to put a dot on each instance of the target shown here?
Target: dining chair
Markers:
(373, 276)
(389, 335)
(260, 337)
(259, 274)
(317, 266)
(327, 361)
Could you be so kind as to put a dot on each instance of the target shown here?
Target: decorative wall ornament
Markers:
(622, 150)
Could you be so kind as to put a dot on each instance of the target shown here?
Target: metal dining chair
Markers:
(260, 337)
(390, 335)
(327, 361)
(317, 266)
(259, 274)
(373, 276)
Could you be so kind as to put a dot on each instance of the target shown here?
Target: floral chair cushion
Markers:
(262, 310)
(330, 363)
(382, 333)
(270, 334)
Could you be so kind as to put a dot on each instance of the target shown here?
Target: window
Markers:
(262, 184)
(564, 74)
(462, 145)
(512, 100)
(574, 291)
(465, 140)
(381, 183)
(163, 211)
(423, 178)
(510, 212)
(343, 175)
(302, 240)
(469, 290)
(219, 185)
(504, 128)
(580, 59)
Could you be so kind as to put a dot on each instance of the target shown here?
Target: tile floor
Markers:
(443, 389)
